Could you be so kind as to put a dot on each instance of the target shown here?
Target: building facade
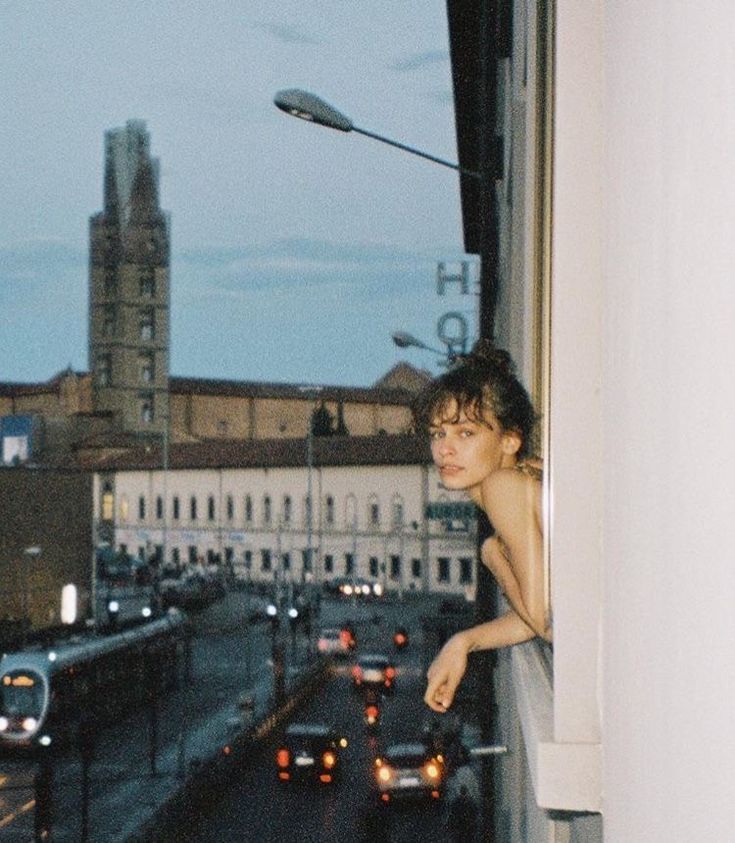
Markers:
(378, 513)
(129, 257)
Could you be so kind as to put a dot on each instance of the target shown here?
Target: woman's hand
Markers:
(446, 672)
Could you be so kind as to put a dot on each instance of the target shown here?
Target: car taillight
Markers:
(432, 770)
(384, 773)
(329, 759)
(372, 711)
(357, 672)
(283, 757)
(390, 672)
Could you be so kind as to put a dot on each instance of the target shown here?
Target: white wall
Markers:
(669, 402)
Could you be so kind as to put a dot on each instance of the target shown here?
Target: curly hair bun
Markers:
(484, 353)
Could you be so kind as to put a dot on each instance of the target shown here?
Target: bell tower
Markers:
(129, 258)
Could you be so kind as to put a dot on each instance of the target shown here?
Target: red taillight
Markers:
(372, 712)
(399, 638)
(357, 673)
(390, 672)
(325, 777)
(283, 757)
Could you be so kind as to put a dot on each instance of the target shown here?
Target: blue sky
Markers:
(296, 250)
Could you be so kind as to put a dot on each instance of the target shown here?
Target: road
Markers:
(258, 807)
(128, 780)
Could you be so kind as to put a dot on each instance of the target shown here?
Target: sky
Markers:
(296, 250)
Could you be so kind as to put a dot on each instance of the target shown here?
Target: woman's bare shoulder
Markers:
(509, 488)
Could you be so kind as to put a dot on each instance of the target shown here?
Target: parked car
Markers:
(310, 752)
(409, 771)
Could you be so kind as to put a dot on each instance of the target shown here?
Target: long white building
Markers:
(378, 512)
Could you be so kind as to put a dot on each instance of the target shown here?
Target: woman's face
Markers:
(467, 451)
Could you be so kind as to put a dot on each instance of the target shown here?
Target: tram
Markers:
(47, 694)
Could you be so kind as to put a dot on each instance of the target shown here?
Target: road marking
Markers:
(9, 818)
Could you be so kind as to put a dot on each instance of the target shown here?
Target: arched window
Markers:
(210, 508)
(230, 508)
(267, 509)
(248, 509)
(373, 511)
(329, 509)
(351, 512)
(396, 512)
(193, 508)
(286, 509)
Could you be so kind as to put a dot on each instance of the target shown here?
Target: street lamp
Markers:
(405, 340)
(307, 106)
(31, 554)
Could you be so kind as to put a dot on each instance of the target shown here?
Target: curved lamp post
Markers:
(405, 340)
(307, 106)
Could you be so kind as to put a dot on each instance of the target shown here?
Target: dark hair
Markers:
(484, 378)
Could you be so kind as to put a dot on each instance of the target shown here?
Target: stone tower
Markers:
(129, 287)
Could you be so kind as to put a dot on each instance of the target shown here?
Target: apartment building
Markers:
(358, 507)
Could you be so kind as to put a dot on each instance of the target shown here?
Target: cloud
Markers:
(287, 33)
(421, 60)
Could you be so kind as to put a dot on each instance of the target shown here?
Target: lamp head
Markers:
(310, 107)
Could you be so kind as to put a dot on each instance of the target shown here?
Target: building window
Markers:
(146, 367)
(110, 283)
(349, 564)
(374, 512)
(248, 509)
(286, 509)
(416, 568)
(397, 512)
(146, 407)
(465, 570)
(229, 556)
(210, 508)
(374, 566)
(307, 511)
(442, 569)
(286, 561)
(146, 319)
(109, 320)
(159, 507)
(247, 558)
(104, 369)
(108, 503)
(306, 559)
(395, 567)
(193, 554)
(265, 560)
(124, 508)
(267, 510)
(329, 514)
(176, 557)
(328, 563)
(176, 510)
(147, 284)
(193, 508)
(230, 508)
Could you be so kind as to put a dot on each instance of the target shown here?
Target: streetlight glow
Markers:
(310, 107)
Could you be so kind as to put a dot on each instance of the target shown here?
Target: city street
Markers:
(131, 774)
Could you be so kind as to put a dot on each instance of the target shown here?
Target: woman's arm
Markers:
(446, 671)
(512, 503)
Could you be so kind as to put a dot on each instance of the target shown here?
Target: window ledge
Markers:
(566, 776)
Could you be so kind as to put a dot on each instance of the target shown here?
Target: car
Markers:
(333, 642)
(409, 771)
(309, 752)
(374, 671)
